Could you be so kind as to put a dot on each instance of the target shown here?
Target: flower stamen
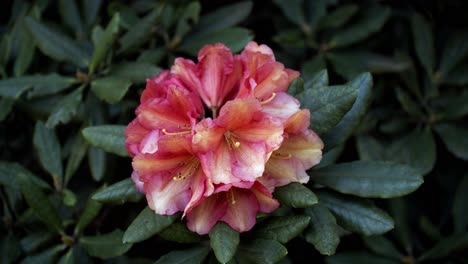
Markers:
(279, 155)
(273, 95)
(232, 140)
(188, 169)
(232, 198)
(176, 133)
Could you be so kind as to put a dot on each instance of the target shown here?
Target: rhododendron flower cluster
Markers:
(213, 139)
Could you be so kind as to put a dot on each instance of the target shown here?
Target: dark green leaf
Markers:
(33, 241)
(47, 256)
(147, 224)
(327, 105)
(224, 241)
(234, 38)
(186, 20)
(446, 246)
(357, 215)
(90, 11)
(110, 89)
(295, 195)
(260, 251)
(119, 192)
(330, 156)
(323, 230)
(57, 45)
(41, 84)
(372, 20)
(90, 212)
(193, 255)
(319, 79)
(152, 56)
(294, 11)
(5, 46)
(358, 257)
(69, 198)
(351, 120)
(9, 172)
(370, 149)
(282, 228)
(68, 258)
(103, 45)
(97, 162)
(6, 104)
(66, 108)
(408, 104)
(140, 32)
(290, 39)
(457, 76)
(296, 86)
(455, 50)
(178, 232)
(48, 150)
(399, 210)
(26, 50)
(111, 138)
(105, 246)
(312, 67)
(460, 214)
(423, 42)
(339, 16)
(71, 16)
(350, 64)
(226, 16)
(382, 247)
(39, 202)
(455, 139)
(376, 179)
(137, 72)
(77, 153)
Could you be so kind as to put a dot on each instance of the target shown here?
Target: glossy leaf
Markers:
(376, 179)
(110, 89)
(261, 251)
(78, 152)
(111, 138)
(41, 85)
(90, 11)
(224, 241)
(224, 17)
(312, 67)
(104, 44)
(119, 193)
(319, 79)
(97, 162)
(190, 16)
(296, 86)
(423, 42)
(339, 16)
(372, 20)
(39, 203)
(282, 229)
(57, 45)
(136, 72)
(234, 38)
(455, 50)
(178, 232)
(408, 104)
(295, 195)
(9, 172)
(446, 246)
(147, 224)
(69, 11)
(323, 230)
(6, 105)
(66, 108)
(382, 247)
(193, 255)
(357, 215)
(327, 105)
(48, 150)
(345, 128)
(293, 10)
(455, 139)
(47, 256)
(105, 246)
(91, 210)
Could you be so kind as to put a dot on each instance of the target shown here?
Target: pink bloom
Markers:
(235, 146)
(215, 78)
(237, 207)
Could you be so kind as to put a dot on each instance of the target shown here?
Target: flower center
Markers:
(279, 155)
(266, 101)
(232, 140)
(188, 168)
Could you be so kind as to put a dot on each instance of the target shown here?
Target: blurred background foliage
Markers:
(70, 64)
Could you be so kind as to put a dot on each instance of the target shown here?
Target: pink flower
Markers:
(213, 139)
(237, 207)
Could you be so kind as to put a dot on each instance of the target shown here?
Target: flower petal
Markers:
(242, 208)
(166, 196)
(237, 113)
(265, 200)
(134, 134)
(204, 216)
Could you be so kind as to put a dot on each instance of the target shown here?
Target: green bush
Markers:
(73, 70)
